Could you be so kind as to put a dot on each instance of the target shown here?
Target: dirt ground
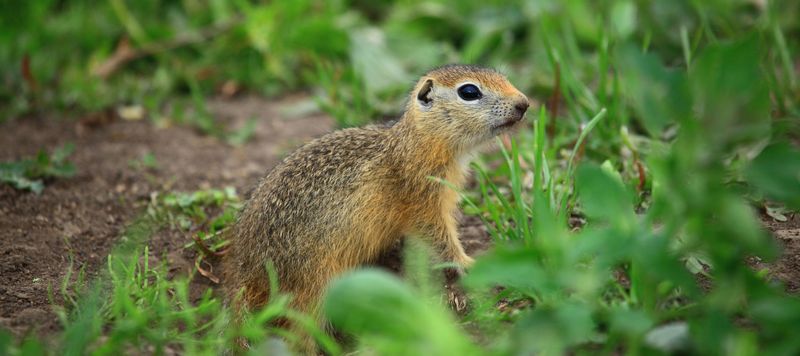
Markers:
(78, 220)
(787, 268)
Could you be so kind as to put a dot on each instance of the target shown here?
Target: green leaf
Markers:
(731, 98)
(372, 60)
(623, 18)
(739, 223)
(630, 321)
(6, 342)
(12, 173)
(243, 134)
(669, 338)
(655, 266)
(602, 195)
(510, 267)
(385, 314)
(26, 174)
(61, 153)
(374, 303)
(551, 329)
(776, 173)
(658, 96)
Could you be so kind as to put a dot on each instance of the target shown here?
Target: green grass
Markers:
(668, 125)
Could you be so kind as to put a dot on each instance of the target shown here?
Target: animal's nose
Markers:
(521, 107)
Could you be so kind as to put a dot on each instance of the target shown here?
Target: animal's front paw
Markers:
(466, 262)
(463, 263)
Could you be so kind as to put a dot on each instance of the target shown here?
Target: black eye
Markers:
(469, 92)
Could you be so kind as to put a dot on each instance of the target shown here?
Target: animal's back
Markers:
(295, 212)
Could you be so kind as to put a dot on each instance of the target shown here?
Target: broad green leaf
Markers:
(630, 322)
(741, 222)
(669, 338)
(510, 267)
(776, 173)
(602, 196)
(623, 18)
(731, 98)
(551, 329)
(655, 266)
(371, 59)
(658, 96)
(384, 313)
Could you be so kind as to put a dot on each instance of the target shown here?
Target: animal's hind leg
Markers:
(247, 299)
(307, 299)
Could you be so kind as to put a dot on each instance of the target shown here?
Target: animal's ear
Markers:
(424, 94)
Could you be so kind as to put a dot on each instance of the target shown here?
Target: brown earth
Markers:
(78, 220)
(787, 268)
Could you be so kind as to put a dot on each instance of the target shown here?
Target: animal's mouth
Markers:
(508, 124)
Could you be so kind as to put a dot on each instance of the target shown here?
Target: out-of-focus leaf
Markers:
(694, 265)
(371, 59)
(383, 313)
(776, 173)
(551, 329)
(510, 267)
(243, 134)
(31, 346)
(417, 51)
(669, 338)
(272, 346)
(602, 196)
(731, 98)
(623, 18)
(654, 264)
(58, 166)
(6, 342)
(28, 173)
(739, 223)
(777, 310)
(708, 332)
(609, 246)
(658, 96)
(13, 174)
(630, 322)
(777, 213)
(489, 29)
(608, 168)
(584, 21)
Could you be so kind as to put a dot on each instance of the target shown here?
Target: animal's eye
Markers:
(469, 92)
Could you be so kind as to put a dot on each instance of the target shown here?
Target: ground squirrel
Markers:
(342, 199)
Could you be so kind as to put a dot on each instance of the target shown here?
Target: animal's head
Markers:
(466, 105)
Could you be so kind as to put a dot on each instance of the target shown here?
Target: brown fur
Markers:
(342, 199)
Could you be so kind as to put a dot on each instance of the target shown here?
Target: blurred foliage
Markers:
(30, 173)
(621, 218)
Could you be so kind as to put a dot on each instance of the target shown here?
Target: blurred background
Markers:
(358, 57)
(630, 215)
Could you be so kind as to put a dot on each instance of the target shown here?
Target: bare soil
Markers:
(77, 221)
(786, 269)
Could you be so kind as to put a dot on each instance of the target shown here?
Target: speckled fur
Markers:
(342, 199)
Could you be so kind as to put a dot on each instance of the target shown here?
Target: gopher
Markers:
(342, 199)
